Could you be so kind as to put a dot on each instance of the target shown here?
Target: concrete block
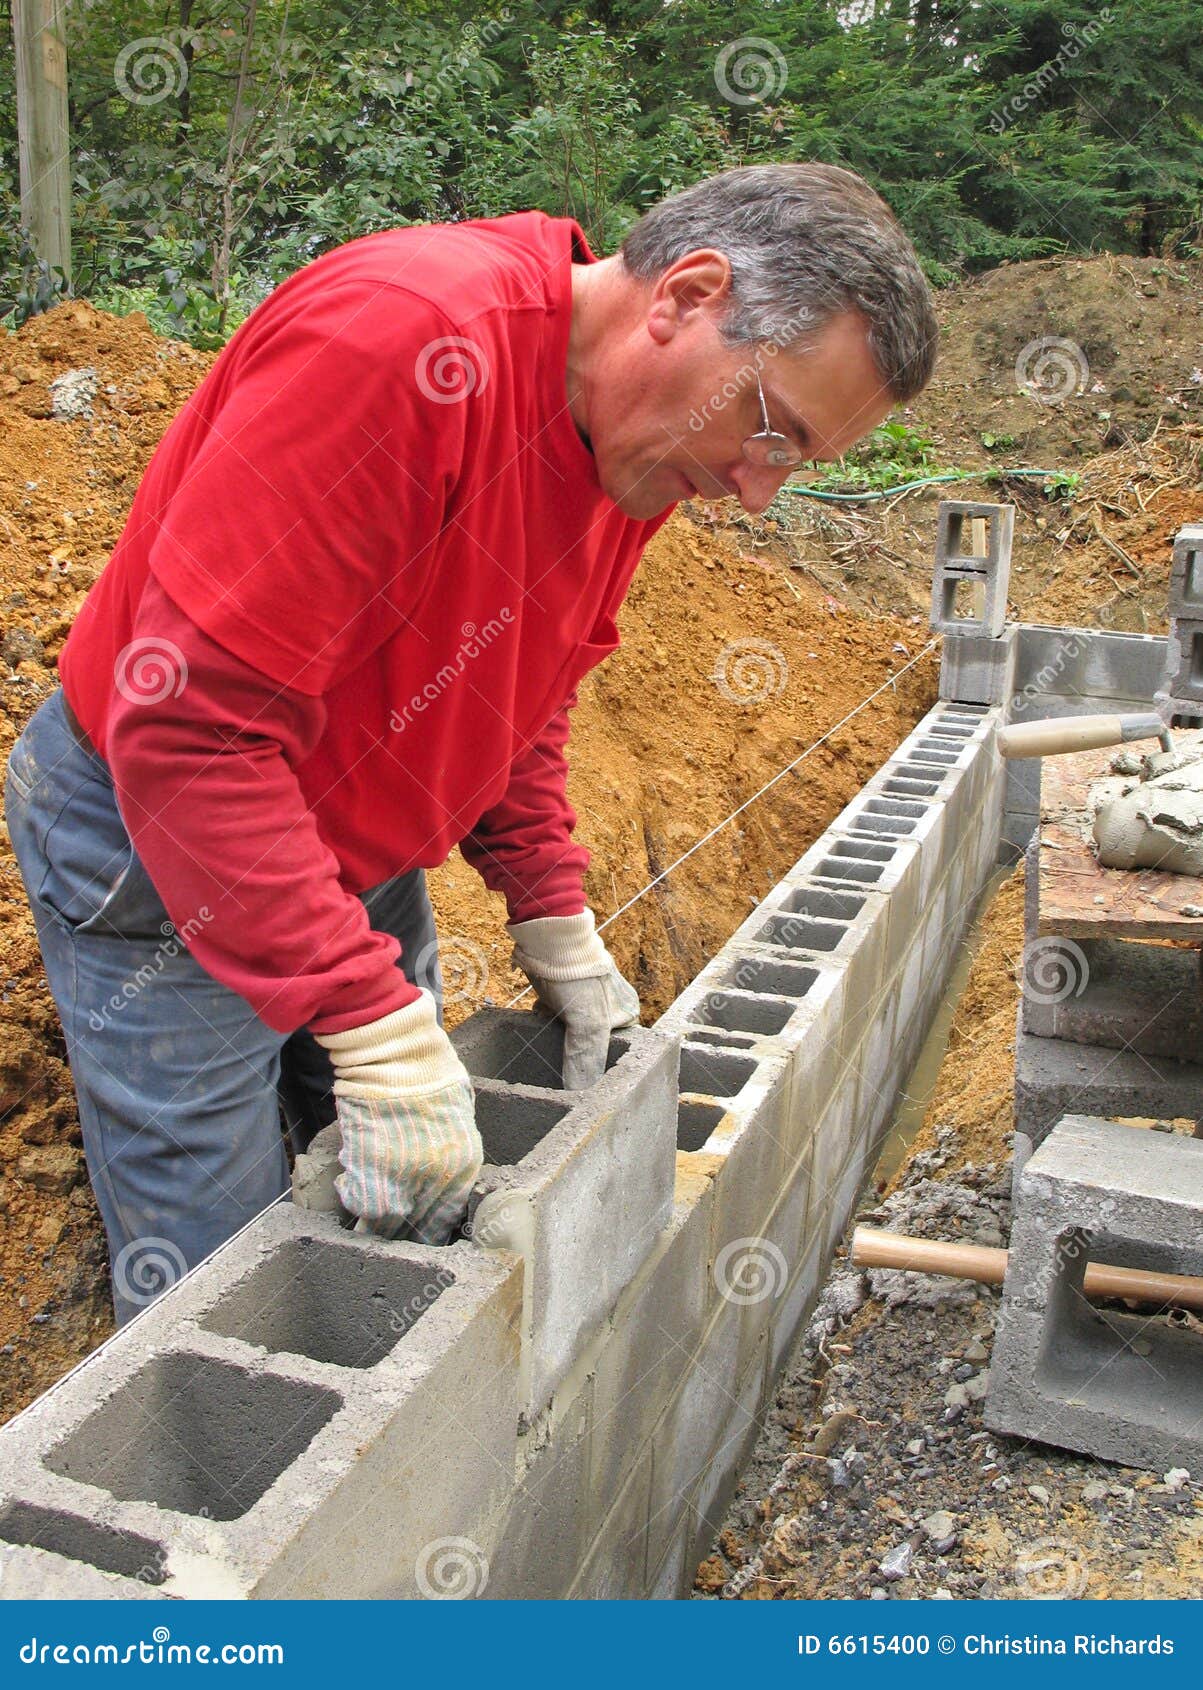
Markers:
(694, 1422)
(1101, 1380)
(277, 1424)
(891, 867)
(615, 1568)
(547, 1532)
(1017, 830)
(977, 669)
(577, 1183)
(1022, 790)
(971, 576)
(670, 1582)
(1058, 666)
(1115, 993)
(1054, 1077)
(656, 1327)
(835, 1139)
(37, 1575)
(711, 1496)
(1186, 573)
(794, 1308)
(1184, 672)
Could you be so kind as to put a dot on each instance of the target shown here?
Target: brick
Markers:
(578, 1183)
(977, 669)
(1103, 1381)
(965, 572)
(1114, 993)
(259, 1440)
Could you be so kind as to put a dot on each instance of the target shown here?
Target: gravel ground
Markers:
(875, 1476)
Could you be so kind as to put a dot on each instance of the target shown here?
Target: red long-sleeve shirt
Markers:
(363, 574)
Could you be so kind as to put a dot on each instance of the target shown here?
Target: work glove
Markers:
(576, 980)
(410, 1149)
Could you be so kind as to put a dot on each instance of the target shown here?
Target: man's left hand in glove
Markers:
(576, 980)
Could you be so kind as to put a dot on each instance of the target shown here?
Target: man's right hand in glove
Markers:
(410, 1148)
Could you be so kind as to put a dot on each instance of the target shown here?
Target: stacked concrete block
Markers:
(1071, 672)
(1105, 1028)
(1180, 694)
(972, 568)
(1099, 1378)
(979, 668)
(578, 1183)
(308, 1416)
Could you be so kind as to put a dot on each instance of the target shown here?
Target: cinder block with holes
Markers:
(1094, 1377)
(1116, 993)
(578, 1183)
(1186, 573)
(972, 568)
(1184, 672)
(1056, 1077)
(978, 668)
(278, 1424)
(1062, 666)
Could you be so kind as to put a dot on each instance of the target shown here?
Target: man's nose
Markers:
(757, 487)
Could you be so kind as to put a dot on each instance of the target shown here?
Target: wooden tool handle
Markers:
(987, 1266)
(1076, 733)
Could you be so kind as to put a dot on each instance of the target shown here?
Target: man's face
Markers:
(673, 403)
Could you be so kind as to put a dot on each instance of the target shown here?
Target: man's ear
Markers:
(697, 282)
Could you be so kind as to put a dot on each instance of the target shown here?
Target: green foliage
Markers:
(893, 454)
(216, 149)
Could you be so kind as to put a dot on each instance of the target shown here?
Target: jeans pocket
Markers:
(93, 880)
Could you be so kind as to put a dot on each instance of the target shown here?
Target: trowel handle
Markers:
(1077, 733)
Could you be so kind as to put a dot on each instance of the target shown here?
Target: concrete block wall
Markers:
(1036, 672)
(557, 1404)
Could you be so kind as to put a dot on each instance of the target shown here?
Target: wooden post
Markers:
(43, 141)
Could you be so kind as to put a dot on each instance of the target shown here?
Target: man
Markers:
(366, 569)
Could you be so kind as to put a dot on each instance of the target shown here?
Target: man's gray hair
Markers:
(805, 242)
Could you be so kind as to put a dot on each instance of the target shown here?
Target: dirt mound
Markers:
(1120, 340)
(732, 665)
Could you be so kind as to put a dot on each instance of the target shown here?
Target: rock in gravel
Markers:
(897, 1564)
(915, 1447)
(975, 1350)
(1038, 1493)
(938, 1525)
(1176, 1478)
(1094, 1490)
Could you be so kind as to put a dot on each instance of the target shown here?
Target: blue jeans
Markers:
(181, 1087)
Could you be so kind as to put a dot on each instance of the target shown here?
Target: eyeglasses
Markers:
(768, 449)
